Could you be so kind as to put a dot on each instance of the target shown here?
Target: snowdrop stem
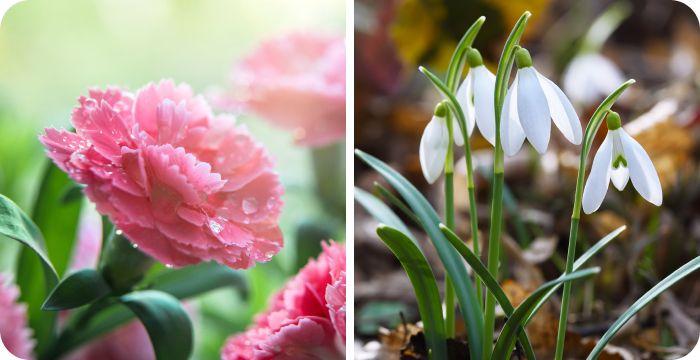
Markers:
(456, 110)
(591, 129)
(505, 65)
(450, 221)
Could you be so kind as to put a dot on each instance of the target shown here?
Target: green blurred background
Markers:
(52, 51)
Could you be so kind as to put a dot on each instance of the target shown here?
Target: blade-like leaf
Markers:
(648, 297)
(166, 321)
(490, 282)
(424, 286)
(36, 274)
(384, 194)
(381, 212)
(79, 288)
(505, 342)
(577, 264)
(464, 289)
(16, 225)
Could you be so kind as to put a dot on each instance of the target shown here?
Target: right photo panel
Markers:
(527, 179)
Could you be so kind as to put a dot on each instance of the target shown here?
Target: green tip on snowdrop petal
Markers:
(522, 58)
(440, 109)
(613, 120)
(474, 58)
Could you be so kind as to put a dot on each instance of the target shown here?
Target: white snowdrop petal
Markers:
(484, 85)
(457, 132)
(562, 112)
(619, 177)
(591, 76)
(466, 101)
(433, 148)
(642, 172)
(512, 134)
(599, 177)
(533, 111)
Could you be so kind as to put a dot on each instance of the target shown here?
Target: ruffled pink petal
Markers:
(61, 145)
(153, 242)
(305, 338)
(104, 118)
(149, 107)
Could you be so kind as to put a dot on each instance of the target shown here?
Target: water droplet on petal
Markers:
(118, 232)
(135, 246)
(250, 205)
(215, 226)
(169, 266)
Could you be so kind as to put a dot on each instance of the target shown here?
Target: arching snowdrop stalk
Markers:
(591, 129)
(505, 66)
(618, 159)
(475, 95)
(531, 101)
(448, 89)
(435, 142)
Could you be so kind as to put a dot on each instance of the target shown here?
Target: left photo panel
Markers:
(172, 179)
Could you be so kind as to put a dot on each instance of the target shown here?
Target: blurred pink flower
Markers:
(129, 342)
(182, 184)
(88, 245)
(306, 319)
(297, 82)
(14, 330)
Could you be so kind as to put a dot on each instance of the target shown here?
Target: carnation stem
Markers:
(122, 264)
(591, 129)
(329, 172)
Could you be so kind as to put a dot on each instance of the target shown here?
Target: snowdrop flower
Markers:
(591, 76)
(435, 142)
(475, 95)
(531, 101)
(620, 158)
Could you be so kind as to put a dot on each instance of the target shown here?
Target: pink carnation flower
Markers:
(182, 184)
(296, 82)
(14, 331)
(129, 342)
(306, 319)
